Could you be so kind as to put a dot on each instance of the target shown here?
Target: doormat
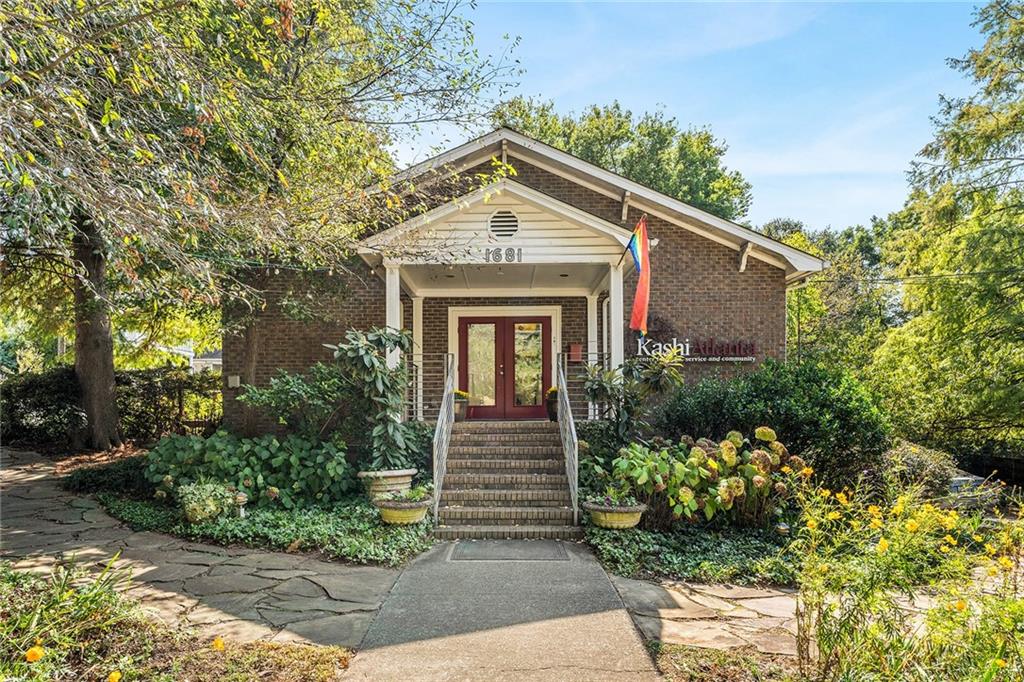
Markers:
(509, 550)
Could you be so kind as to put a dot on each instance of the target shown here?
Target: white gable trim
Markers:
(504, 186)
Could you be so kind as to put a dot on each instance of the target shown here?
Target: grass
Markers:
(680, 663)
(693, 553)
(349, 532)
(80, 628)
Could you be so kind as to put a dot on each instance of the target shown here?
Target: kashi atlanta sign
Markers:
(699, 350)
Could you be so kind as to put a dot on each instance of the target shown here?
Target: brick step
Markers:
(501, 466)
(505, 516)
(481, 451)
(508, 532)
(506, 481)
(505, 427)
(488, 438)
(478, 497)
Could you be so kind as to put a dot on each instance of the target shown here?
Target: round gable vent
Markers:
(503, 225)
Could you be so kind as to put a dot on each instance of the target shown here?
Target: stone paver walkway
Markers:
(503, 610)
(237, 593)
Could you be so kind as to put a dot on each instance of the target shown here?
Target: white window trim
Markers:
(552, 311)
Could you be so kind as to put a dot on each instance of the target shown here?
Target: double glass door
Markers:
(505, 366)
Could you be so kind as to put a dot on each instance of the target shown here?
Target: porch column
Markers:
(417, 351)
(393, 306)
(592, 343)
(615, 316)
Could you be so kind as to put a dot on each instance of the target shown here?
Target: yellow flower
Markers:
(876, 523)
(950, 539)
(843, 499)
(1005, 562)
(787, 470)
(824, 492)
(35, 653)
(944, 549)
(874, 510)
(1000, 663)
(897, 509)
(913, 525)
(883, 546)
(812, 524)
(976, 537)
(114, 676)
(989, 549)
(960, 605)
(855, 524)
(824, 568)
(806, 472)
(833, 515)
(992, 570)
(217, 644)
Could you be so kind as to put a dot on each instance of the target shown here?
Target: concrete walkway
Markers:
(503, 610)
(240, 594)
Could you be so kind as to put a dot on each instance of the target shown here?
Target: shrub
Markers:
(310, 403)
(822, 412)
(350, 531)
(204, 501)
(42, 407)
(268, 469)
(908, 464)
(623, 394)
(599, 444)
(125, 477)
(739, 480)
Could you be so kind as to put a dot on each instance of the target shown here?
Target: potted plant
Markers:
(404, 508)
(551, 403)
(617, 508)
(461, 405)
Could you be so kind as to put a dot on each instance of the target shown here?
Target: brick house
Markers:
(532, 284)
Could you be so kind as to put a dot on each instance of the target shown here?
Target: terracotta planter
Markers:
(460, 410)
(604, 516)
(389, 481)
(398, 513)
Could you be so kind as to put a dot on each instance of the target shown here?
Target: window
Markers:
(503, 225)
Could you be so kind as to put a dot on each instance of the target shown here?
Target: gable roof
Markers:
(504, 142)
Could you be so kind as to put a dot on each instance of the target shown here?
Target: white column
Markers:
(393, 305)
(417, 349)
(615, 316)
(592, 343)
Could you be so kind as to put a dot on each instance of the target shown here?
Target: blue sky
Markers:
(823, 106)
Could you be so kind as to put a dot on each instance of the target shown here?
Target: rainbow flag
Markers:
(640, 247)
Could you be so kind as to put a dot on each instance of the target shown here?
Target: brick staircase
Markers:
(505, 480)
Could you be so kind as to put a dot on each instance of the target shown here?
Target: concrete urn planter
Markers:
(606, 516)
(388, 481)
(397, 513)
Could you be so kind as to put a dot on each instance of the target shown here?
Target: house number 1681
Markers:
(508, 255)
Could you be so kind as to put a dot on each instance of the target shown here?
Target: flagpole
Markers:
(642, 217)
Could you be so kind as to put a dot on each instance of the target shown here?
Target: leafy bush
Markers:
(908, 464)
(699, 554)
(862, 563)
(739, 480)
(820, 411)
(44, 407)
(125, 477)
(350, 531)
(599, 444)
(622, 395)
(292, 469)
(311, 403)
(205, 501)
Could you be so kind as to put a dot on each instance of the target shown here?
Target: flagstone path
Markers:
(512, 615)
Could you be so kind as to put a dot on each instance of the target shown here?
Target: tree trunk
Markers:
(94, 343)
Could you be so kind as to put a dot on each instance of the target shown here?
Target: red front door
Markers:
(505, 366)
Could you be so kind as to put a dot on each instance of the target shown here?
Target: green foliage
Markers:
(694, 553)
(599, 444)
(291, 471)
(911, 465)
(743, 481)
(123, 477)
(623, 394)
(350, 531)
(204, 500)
(364, 363)
(44, 407)
(651, 150)
(417, 493)
(309, 402)
(819, 411)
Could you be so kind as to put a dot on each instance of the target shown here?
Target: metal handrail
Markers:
(443, 432)
(570, 443)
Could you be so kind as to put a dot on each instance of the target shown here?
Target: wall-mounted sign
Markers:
(699, 350)
(506, 255)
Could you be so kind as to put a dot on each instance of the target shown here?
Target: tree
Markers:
(651, 150)
(159, 147)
